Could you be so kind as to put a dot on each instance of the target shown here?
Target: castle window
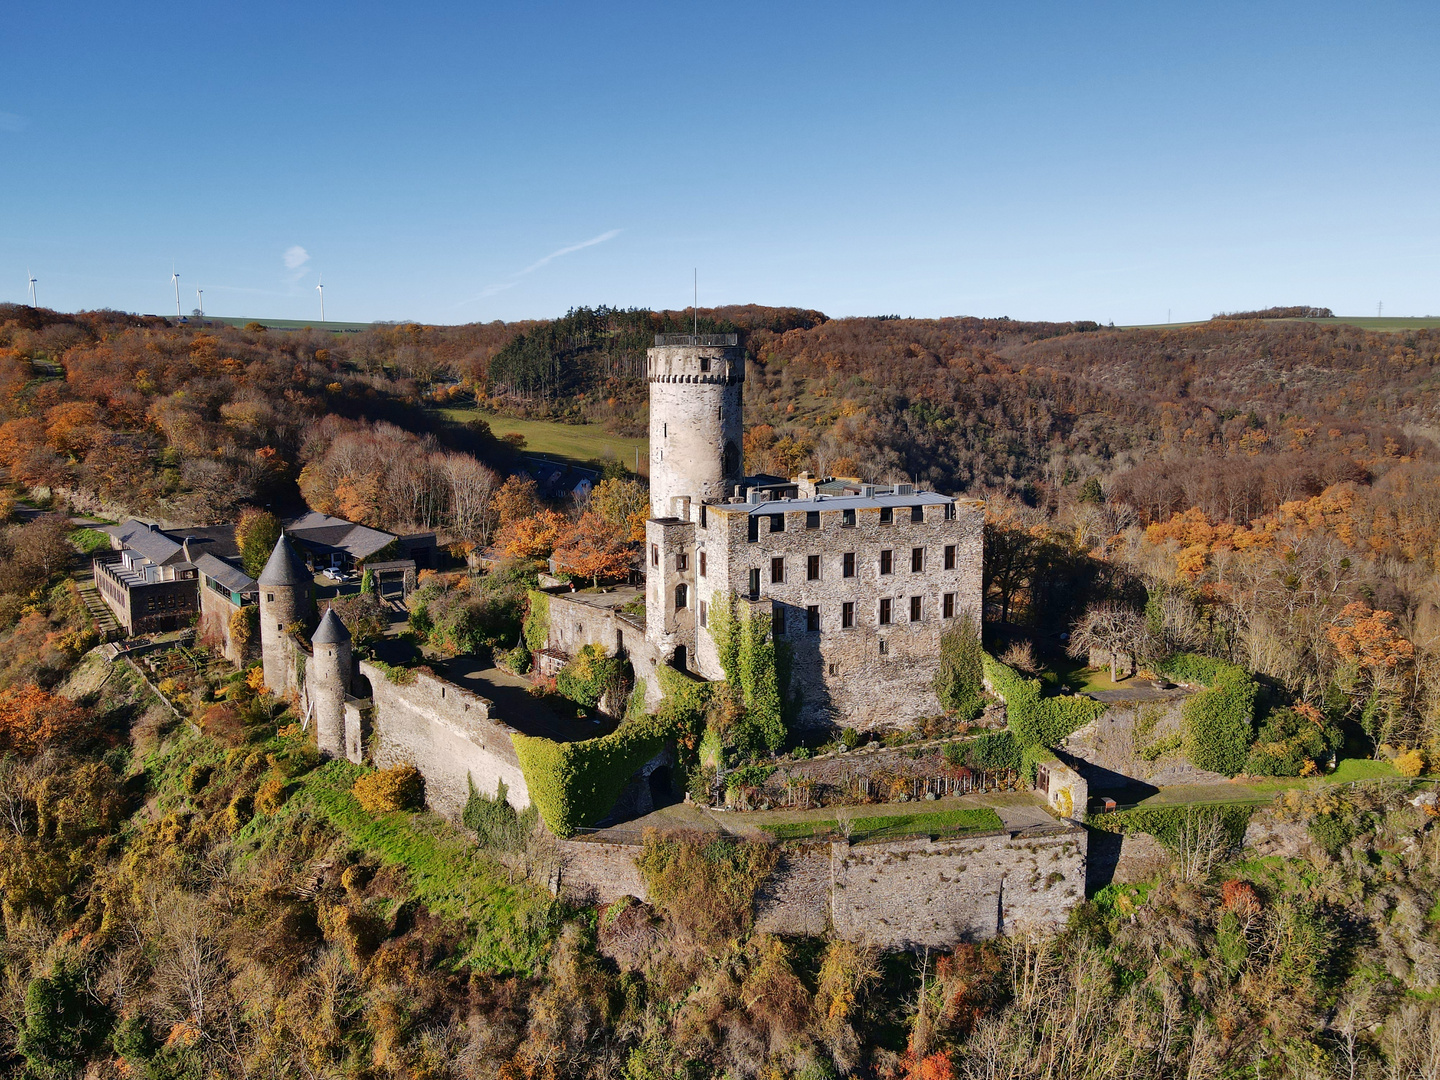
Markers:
(654, 554)
(665, 430)
(704, 613)
(269, 597)
(777, 523)
(847, 519)
(682, 596)
(812, 519)
(885, 611)
(948, 605)
(754, 583)
(812, 568)
(914, 609)
(917, 514)
(702, 516)
(847, 564)
(886, 561)
(834, 669)
(884, 646)
(949, 556)
(777, 622)
(682, 561)
(702, 564)
(917, 560)
(950, 511)
(812, 618)
(777, 571)
(887, 515)
(847, 615)
(704, 363)
(754, 534)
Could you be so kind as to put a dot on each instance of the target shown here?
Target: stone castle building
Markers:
(860, 580)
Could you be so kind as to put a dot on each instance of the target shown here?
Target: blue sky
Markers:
(454, 163)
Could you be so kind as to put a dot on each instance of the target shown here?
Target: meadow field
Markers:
(580, 444)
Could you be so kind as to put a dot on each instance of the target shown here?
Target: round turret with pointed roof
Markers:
(284, 567)
(331, 630)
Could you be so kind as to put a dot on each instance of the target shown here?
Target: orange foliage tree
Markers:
(32, 719)
(531, 537)
(594, 548)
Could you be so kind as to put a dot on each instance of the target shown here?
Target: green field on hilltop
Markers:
(288, 324)
(582, 444)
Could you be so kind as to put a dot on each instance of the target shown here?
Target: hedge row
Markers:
(575, 784)
(1037, 720)
(1220, 720)
(1170, 824)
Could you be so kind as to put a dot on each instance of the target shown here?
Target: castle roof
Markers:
(331, 630)
(284, 567)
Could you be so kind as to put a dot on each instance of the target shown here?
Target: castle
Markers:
(859, 580)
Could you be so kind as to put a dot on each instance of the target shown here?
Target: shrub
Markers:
(240, 811)
(398, 788)
(400, 676)
(196, 777)
(1411, 763)
(588, 677)
(705, 883)
(244, 625)
(270, 796)
(1219, 721)
(1172, 825)
(575, 784)
(494, 821)
(516, 660)
(959, 681)
(1291, 742)
(32, 719)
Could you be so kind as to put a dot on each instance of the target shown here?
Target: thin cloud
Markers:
(567, 250)
(491, 290)
(296, 257)
(10, 121)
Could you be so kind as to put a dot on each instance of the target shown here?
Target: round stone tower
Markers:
(696, 421)
(329, 682)
(285, 599)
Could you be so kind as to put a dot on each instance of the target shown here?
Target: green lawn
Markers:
(289, 324)
(89, 541)
(581, 444)
(935, 823)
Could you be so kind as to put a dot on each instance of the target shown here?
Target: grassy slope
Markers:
(581, 444)
(935, 823)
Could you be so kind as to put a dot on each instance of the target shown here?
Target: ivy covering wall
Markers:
(575, 784)
(536, 627)
(1036, 720)
(1220, 720)
(748, 657)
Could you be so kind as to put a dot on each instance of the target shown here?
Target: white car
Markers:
(332, 573)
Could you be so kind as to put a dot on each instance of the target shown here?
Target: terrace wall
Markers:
(899, 894)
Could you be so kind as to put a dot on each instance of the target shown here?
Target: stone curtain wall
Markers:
(898, 895)
(1135, 740)
(574, 623)
(215, 612)
(446, 732)
(867, 689)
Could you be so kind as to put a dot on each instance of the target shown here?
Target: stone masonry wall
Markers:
(897, 895)
(696, 423)
(841, 674)
(215, 612)
(574, 624)
(445, 732)
(1135, 740)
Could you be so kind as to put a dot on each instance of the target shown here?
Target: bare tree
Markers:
(472, 493)
(1109, 628)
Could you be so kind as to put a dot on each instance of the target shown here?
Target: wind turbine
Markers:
(33, 279)
(200, 300)
(175, 277)
(321, 288)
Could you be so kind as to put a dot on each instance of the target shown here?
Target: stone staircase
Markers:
(105, 622)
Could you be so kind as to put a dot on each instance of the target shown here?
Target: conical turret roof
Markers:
(331, 630)
(284, 567)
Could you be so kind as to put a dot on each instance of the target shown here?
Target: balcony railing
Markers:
(697, 339)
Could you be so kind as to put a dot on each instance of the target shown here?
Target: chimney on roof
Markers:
(185, 547)
(904, 489)
(755, 497)
(867, 491)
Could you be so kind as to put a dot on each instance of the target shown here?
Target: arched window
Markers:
(682, 596)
